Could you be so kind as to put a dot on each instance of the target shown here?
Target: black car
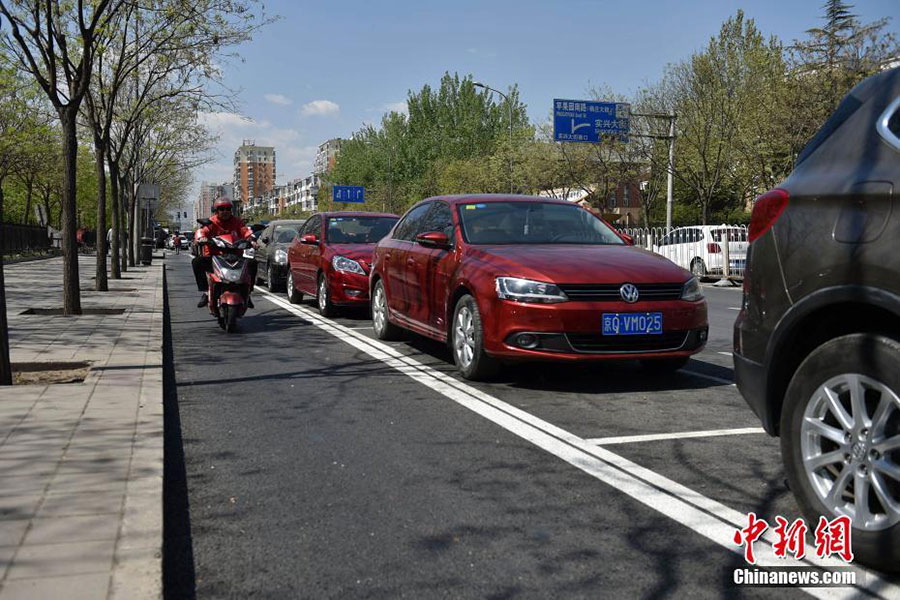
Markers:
(271, 253)
(817, 342)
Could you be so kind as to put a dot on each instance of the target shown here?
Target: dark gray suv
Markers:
(817, 342)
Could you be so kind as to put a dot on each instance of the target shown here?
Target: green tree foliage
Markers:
(454, 139)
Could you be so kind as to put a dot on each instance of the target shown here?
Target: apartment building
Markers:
(209, 192)
(254, 173)
(326, 155)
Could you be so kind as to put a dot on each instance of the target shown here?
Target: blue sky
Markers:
(325, 68)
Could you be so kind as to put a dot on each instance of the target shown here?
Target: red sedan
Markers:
(522, 278)
(331, 256)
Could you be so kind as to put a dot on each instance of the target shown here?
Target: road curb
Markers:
(137, 561)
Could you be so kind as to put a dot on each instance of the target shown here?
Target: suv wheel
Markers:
(467, 338)
(840, 440)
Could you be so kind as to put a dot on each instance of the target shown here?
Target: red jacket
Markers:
(218, 227)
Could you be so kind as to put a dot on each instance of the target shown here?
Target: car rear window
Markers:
(358, 230)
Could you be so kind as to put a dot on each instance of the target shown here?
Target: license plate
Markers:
(632, 323)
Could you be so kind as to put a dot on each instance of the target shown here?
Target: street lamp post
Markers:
(478, 84)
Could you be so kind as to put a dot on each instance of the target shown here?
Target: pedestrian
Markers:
(177, 243)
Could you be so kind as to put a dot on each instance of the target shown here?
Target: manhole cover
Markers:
(44, 373)
(50, 312)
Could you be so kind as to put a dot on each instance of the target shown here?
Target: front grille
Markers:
(609, 292)
(595, 342)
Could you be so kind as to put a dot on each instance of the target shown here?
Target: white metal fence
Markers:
(708, 251)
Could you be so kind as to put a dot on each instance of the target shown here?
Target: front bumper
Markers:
(572, 331)
(348, 289)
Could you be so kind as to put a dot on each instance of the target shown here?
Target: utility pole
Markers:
(670, 166)
(478, 84)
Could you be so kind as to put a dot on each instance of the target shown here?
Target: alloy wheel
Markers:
(323, 293)
(850, 446)
(290, 284)
(379, 311)
(464, 337)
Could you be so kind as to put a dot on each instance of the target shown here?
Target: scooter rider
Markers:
(222, 222)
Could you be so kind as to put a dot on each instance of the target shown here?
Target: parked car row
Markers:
(498, 278)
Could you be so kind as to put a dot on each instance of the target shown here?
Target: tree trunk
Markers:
(133, 247)
(5, 366)
(29, 187)
(100, 283)
(115, 266)
(71, 291)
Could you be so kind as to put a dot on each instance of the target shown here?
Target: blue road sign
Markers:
(348, 193)
(587, 121)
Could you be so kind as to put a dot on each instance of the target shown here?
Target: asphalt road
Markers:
(319, 463)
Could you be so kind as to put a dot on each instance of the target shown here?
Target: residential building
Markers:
(621, 206)
(309, 188)
(209, 192)
(254, 173)
(326, 155)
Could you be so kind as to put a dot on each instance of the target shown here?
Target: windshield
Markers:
(532, 223)
(358, 230)
(284, 234)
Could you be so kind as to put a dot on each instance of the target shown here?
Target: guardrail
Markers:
(22, 238)
(708, 251)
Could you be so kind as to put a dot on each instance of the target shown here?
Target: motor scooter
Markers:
(229, 282)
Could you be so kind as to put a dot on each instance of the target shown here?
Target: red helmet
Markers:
(223, 203)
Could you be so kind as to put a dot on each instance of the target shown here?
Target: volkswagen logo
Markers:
(629, 293)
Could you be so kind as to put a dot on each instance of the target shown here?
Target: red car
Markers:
(522, 278)
(331, 256)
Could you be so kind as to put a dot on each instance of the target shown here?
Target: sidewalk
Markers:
(81, 464)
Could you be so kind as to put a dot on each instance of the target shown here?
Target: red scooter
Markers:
(230, 283)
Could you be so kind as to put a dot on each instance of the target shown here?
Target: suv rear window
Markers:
(845, 110)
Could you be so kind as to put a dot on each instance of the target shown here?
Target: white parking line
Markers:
(705, 516)
(734, 308)
(709, 377)
(726, 353)
(653, 437)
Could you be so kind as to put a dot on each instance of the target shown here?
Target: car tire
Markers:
(323, 298)
(294, 297)
(272, 280)
(698, 269)
(664, 365)
(467, 342)
(869, 363)
(384, 329)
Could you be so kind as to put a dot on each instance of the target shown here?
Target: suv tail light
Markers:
(766, 211)
(713, 248)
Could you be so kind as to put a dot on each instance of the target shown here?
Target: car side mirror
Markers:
(265, 239)
(433, 239)
(628, 239)
(309, 238)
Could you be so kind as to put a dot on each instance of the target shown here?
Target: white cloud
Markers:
(220, 120)
(400, 107)
(278, 99)
(320, 108)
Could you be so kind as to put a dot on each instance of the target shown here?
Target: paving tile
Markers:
(73, 587)
(24, 485)
(12, 532)
(81, 503)
(48, 560)
(84, 528)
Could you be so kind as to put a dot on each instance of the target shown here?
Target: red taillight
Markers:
(713, 248)
(766, 211)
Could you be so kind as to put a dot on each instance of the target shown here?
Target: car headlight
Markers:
(280, 257)
(346, 265)
(691, 290)
(526, 290)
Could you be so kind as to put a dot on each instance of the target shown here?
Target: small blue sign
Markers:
(348, 193)
(587, 121)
